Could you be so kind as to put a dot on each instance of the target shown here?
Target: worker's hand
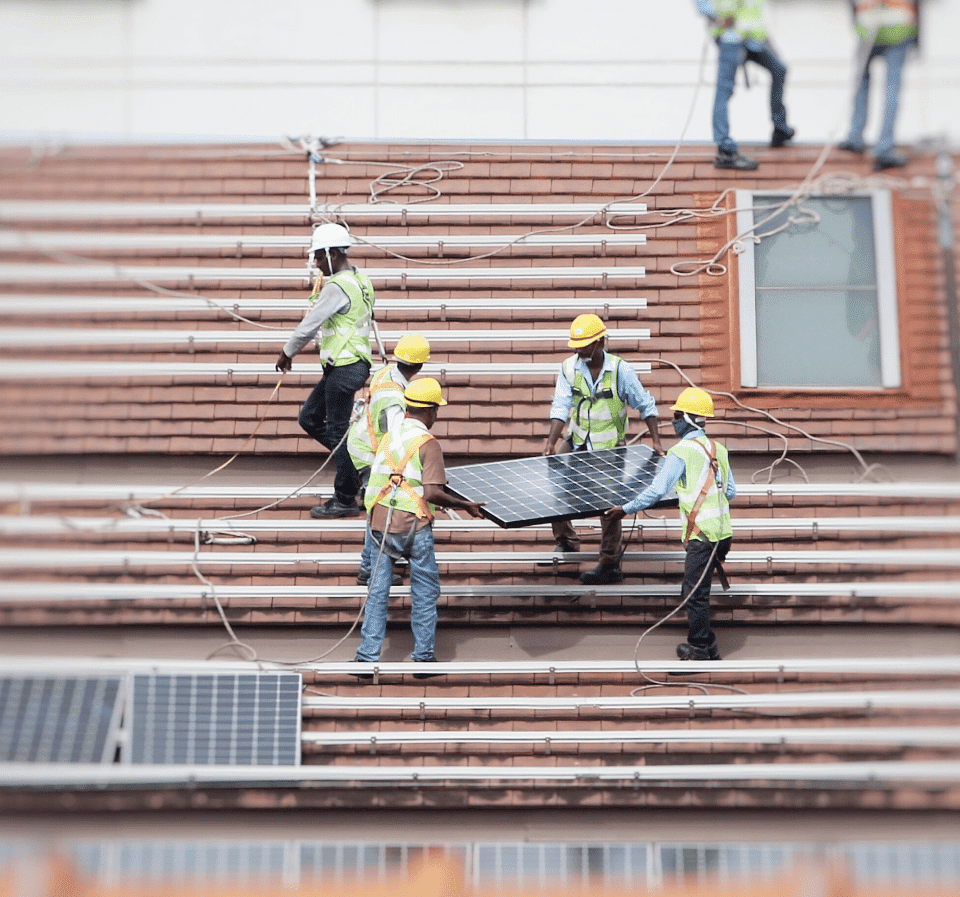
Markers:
(549, 448)
(284, 362)
(473, 508)
(657, 445)
(614, 514)
(726, 21)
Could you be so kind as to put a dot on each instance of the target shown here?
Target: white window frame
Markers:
(884, 252)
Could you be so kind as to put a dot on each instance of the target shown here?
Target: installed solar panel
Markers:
(235, 719)
(59, 719)
(557, 487)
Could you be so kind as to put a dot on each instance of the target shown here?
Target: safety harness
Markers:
(397, 480)
(713, 475)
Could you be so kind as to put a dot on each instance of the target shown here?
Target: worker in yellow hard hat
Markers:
(341, 309)
(593, 391)
(385, 406)
(699, 469)
(407, 483)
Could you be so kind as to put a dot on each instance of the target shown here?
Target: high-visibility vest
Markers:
(747, 15)
(345, 337)
(704, 508)
(364, 437)
(600, 415)
(396, 475)
(887, 22)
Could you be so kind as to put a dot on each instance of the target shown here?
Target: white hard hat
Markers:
(330, 236)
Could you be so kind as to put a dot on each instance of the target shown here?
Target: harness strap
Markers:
(397, 481)
(371, 430)
(714, 471)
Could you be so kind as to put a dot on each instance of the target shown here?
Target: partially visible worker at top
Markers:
(740, 32)
(407, 483)
(698, 468)
(593, 391)
(384, 413)
(887, 28)
(342, 309)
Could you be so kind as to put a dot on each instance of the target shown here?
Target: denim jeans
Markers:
(895, 57)
(731, 55)
(424, 592)
(326, 417)
(698, 607)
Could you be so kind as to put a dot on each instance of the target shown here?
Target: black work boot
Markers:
(686, 651)
(735, 161)
(602, 575)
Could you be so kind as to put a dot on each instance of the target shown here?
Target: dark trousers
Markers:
(326, 417)
(698, 607)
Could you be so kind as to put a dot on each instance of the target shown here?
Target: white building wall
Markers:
(618, 70)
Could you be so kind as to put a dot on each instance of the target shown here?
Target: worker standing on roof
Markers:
(407, 482)
(384, 412)
(698, 468)
(592, 393)
(343, 308)
(741, 35)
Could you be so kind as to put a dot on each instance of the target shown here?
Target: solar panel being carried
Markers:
(526, 491)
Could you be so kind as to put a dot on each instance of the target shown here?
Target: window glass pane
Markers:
(828, 243)
(818, 338)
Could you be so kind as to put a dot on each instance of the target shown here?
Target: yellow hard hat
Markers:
(413, 349)
(423, 392)
(584, 330)
(695, 401)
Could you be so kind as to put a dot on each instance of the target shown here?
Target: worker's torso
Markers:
(599, 415)
(345, 337)
(713, 516)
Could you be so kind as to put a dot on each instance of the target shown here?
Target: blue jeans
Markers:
(731, 55)
(326, 417)
(895, 58)
(698, 607)
(424, 591)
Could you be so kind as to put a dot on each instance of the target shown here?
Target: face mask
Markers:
(682, 426)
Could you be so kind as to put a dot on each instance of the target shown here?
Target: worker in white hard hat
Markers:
(384, 412)
(699, 469)
(341, 308)
(407, 483)
(593, 392)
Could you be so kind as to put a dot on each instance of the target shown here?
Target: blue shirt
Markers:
(629, 389)
(667, 477)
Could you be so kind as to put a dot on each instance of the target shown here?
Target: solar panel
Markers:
(59, 719)
(526, 491)
(208, 718)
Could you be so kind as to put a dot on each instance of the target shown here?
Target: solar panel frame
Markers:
(571, 486)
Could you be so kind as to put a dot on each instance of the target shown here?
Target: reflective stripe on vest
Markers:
(886, 22)
(600, 415)
(396, 475)
(713, 514)
(366, 432)
(747, 15)
(346, 335)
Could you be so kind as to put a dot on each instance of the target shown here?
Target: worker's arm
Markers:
(331, 300)
(559, 413)
(632, 392)
(435, 481)
(666, 479)
(443, 498)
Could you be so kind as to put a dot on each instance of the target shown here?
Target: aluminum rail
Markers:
(13, 592)
(74, 210)
(901, 736)
(76, 241)
(39, 304)
(105, 336)
(848, 776)
(46, 491)
(48, 559)
(11, 272)
(816, 526)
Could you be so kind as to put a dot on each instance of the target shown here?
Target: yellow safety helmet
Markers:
(695, 401)
(423, 392)
(413, 349)
(584, 330)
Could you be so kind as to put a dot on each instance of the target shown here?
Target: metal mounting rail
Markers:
(96, 336)
(56, 210)
(846, 776)
(901, 736)
(11, 272)
(26, 592)
(49, 559)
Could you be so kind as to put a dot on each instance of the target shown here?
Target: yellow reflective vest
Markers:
(396, 475)
(704, 508)
(600, 415)
(748, 18)
(886, 22)
(363, 440)
(345, 337)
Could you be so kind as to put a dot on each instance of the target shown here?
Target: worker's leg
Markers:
(769, 60)
(611, 541)
(895, 57)
(375, 610)
(563, 531)
(424, 592)
(342, 384)
(728, 61)
(697, 578)
(858, 119)
(313, 414)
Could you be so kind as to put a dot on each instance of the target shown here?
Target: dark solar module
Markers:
(558, 487)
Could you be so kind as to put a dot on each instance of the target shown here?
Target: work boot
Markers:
(363, 677)
(426, 675)
(686, 651)
(562, 547)
(889, 160)
(781, 137)
(363, 578)
(734, 160)
(335, 508)
(848, 146)
(602, 575)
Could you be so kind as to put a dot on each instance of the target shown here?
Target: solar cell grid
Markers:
(527, 491)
